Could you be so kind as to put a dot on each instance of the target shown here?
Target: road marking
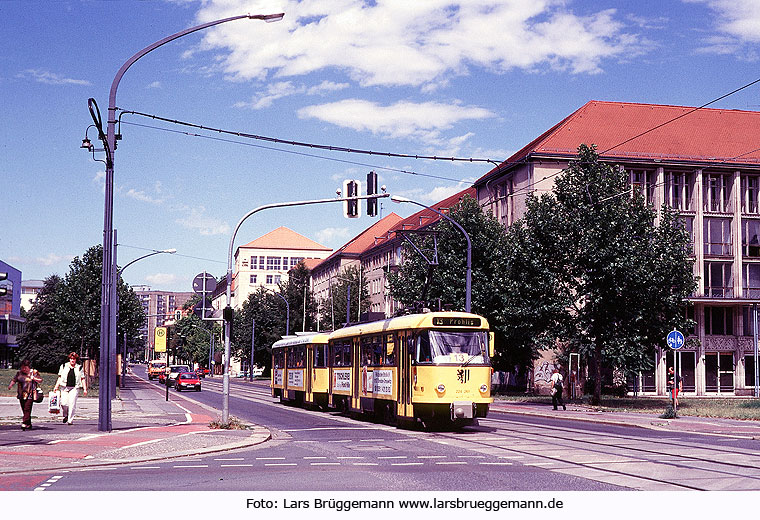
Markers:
(232, 458)
(471, 456)
(344, 440)
(191, 466)
(431, 456)
(365, 464)
(311, 458)
(236, 465)
(496, 463)
(146, 467)
(539, 464)
(407, 464)
(281, 464)
(459, 462)
(270, 458)
(324, 464)
(349, 458)
(393, 457)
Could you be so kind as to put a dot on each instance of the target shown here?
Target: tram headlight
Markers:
(484, 388)
(441, 388)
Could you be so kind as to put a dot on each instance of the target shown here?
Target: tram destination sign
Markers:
(451, 321)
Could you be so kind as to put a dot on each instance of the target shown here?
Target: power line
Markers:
(272, 148)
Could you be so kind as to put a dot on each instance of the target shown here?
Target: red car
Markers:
(202, 372)
(187, 381)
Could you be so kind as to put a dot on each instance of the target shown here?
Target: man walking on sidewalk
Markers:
(70, 379)
(557, 388)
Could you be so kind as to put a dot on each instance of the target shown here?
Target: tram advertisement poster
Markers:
(278, 377)
(295, 378)
(382, 382)
(342, 380)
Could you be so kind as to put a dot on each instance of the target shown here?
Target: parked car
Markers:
(156, 369)
(174, 371)
(187, 381)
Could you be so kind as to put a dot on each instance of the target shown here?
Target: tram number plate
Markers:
(440, 321)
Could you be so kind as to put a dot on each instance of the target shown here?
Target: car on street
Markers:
(202, 372)
(187, 381)
(156, 369)
(174, 371)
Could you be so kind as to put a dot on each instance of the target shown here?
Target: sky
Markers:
(474, 79)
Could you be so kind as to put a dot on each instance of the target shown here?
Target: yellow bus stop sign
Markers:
(160, 339)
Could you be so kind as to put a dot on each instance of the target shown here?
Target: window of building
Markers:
(719, 321)
(273, 263)
(719, 372)
(716, 192)
(277, 278)
(677, 190)
(687, 368)
(719, 280)
(749, 370)
(262, 263)
(751, 238)
(642, 182)
(252, 280)
(751, 280)
(750, 187)
(717, 238)
(748, 321)
(269, 279)
(295, 260)
(688, 225)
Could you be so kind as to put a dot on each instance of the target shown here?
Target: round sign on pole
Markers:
(675, 340)
(204, 282)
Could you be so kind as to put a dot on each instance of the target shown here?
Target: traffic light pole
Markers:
(228, 313)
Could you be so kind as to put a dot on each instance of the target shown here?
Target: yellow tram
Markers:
(434, 367)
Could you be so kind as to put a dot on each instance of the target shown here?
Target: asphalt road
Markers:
(318, 451)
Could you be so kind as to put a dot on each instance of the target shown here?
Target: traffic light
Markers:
(371, 190)
(351, 208)
(177, 315)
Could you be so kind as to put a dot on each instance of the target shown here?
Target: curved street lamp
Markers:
(468, 281)
(108, 138)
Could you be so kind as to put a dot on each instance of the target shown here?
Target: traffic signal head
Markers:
(351, 207)
(371, 190)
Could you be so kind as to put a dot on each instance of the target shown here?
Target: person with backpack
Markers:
(70, 380)
(557, 388)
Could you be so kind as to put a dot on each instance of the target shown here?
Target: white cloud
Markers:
(333, 236)
(415, 43)
(143, 197)
(739, 23)
(403, 119)
(162, 279)
(198, 221)
(278, 90)
(50, 78)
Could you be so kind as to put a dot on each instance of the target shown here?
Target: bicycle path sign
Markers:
(675, 339)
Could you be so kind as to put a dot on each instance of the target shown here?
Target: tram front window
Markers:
(445, 347)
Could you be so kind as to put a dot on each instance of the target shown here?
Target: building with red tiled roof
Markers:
(376, 251)
(704, 162)
(267, 260)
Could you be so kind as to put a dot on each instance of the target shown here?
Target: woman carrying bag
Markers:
(27, 380)
(70, 379)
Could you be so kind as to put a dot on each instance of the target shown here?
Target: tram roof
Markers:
(305, 339)
(410, 321)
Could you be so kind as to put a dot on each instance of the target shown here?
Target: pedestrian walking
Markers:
(675, 385)
(27, 380)
(557, 388)
(70, 380)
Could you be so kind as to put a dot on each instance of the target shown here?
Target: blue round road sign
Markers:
(675, 340)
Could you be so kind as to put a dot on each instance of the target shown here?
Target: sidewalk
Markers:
(700, 425)
(145, 427)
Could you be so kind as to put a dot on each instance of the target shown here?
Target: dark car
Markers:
(202, 372)
(174, 371)
(188, 381)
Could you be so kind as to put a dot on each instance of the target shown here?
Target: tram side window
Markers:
(390, 350)
(279, 359)
(366, 352)
(341, 354)
(320, 356)
(423, 348)
(297, 357)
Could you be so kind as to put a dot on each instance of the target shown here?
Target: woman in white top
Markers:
(70, 379)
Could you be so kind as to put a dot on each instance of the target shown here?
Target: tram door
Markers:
(355, 373)
(404, 393)
(309, 371)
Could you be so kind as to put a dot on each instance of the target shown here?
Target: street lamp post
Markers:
(109, 142)
(468, 281)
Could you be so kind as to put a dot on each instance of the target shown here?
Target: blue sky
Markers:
(470, 79)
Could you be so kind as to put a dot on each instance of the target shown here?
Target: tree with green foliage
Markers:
(448, 279)
(72, 314)
(337, 308)
(196, 339)
(592, 267)
(41, 341)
